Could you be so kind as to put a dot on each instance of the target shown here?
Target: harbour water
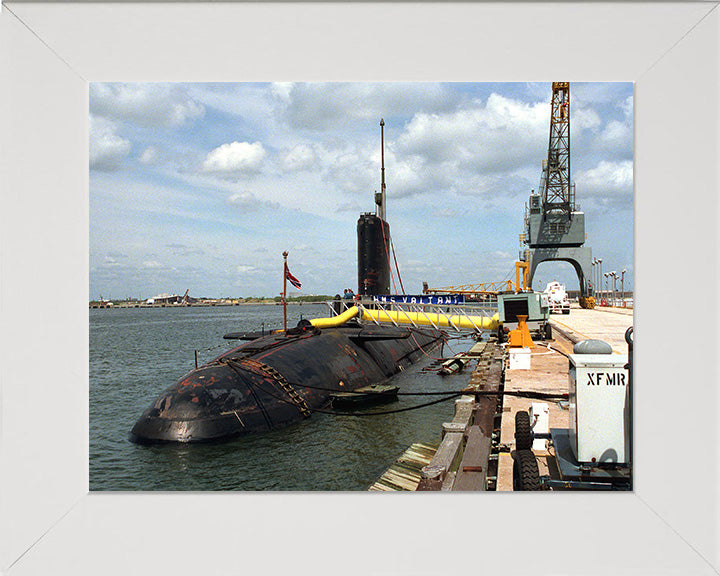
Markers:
(137, 352)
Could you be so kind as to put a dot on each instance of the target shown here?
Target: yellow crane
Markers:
(487, 288)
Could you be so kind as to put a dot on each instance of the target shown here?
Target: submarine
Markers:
(278, 379)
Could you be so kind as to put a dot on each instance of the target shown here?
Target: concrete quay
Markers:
(608, 324)
(476, 449)
(548, 373)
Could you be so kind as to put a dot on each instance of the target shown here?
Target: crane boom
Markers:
(556, 192)
(487, 288)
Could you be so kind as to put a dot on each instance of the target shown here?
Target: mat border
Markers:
(70, 529)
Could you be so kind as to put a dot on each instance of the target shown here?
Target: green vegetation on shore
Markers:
(219, 301)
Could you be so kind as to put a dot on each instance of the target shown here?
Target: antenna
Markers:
(382, 170)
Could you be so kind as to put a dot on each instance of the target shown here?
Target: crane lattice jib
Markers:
(556, 192)
(485, 288)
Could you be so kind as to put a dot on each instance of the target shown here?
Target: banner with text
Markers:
(443, 299)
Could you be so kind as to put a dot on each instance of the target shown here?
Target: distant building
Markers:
(171, 299)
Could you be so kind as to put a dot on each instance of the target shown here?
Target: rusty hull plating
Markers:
(277, 380)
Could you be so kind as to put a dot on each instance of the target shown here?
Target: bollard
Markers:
(592, 347)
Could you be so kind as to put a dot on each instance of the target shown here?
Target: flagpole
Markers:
(285, 255)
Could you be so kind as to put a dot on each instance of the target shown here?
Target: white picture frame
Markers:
(50, 524)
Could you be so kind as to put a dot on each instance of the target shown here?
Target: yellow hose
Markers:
(468, 322)
(338, 320)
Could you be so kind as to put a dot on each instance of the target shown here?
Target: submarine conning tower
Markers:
(373, 235)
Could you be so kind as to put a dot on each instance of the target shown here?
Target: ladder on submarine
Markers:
(264, 369)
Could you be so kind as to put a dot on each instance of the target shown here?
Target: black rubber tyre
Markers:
(523, 431)
(548, 331)
(566, 311)
(526, 476)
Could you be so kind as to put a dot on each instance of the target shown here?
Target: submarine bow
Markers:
(278, 380)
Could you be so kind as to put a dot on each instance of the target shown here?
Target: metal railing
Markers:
(422, 314)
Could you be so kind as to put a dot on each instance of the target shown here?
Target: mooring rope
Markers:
(397, 268)
(448, 396)
(383, 413)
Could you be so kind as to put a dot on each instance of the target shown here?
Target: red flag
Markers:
(294, 281)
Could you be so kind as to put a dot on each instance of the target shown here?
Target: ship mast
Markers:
(380, 199)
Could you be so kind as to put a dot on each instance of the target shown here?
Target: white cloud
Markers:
(607, 179)
(617, 136)
(250, 105)
(150, 104)
(249, 201)
(583, 119)
(235, 157)
(244, 200)
(495, 136)
(350, 168)
(405, 176)
(243, 269)
(152, 264)
(282, 90)
(149, 155)
(477, 151)
(627, 106)
(299, 158)
(111, 262)
(320, 105)
(184, 250)
(107, 150)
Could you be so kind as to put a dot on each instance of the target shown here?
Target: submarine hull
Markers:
(278, 380)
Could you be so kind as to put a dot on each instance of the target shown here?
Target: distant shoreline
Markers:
(106, 305)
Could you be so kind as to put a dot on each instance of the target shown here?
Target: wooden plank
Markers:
(472, 472)
(460, 465)
(448, 483)
(487, 379)
(477, 348)
(405, 473)
(463, 412)
(447, 453)
(429, 485)
(401, 481)
(445, 458)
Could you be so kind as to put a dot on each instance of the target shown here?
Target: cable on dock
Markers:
(558, 351)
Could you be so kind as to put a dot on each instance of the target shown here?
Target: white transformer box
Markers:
(599, 407)
(519, 358)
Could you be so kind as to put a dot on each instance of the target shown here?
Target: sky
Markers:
(202, 187)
